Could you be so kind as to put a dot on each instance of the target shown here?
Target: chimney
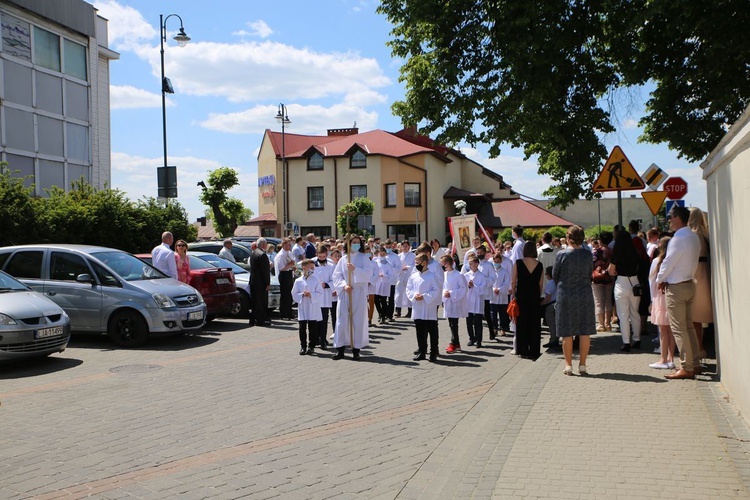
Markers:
(342, 132)
(202, 220)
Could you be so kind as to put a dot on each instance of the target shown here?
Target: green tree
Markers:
(227, 212)
(16, 209)
(347, 215)
(547, 76)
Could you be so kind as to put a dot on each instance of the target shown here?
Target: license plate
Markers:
(195, 315)
(222, 281)
(49, 332)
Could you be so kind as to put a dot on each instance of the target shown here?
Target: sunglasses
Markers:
(181, 245)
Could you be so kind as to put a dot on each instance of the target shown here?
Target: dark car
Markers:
(217, 285)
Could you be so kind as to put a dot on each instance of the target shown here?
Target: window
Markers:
(315, 198)
(358, 160)
(315, 162)
(402, 232)
(75, 59)
(390, 195)
(16, 37)
(319, 231)
(358, 191)
(412, 194)
(46, 49)
(66, 267)
(26, 264)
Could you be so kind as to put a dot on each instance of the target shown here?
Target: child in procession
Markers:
(500, 292)
(476, 283)
(454, 300)
(307, 292)
(424, 294)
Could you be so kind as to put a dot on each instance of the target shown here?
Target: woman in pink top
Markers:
(183, 261)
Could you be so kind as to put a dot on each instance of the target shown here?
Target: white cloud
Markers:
(305, 119)
(128, 97)
(256, 71)
(127, 27)
(630, 124)
(260, 28)
(136, 176)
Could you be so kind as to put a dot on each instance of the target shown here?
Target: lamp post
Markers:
(166, 88)
(283, 118)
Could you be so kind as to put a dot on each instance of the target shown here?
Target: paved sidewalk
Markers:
(237, 413)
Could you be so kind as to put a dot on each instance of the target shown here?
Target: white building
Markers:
(54, 92)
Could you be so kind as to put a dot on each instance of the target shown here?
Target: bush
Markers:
(593, 232)
(16, 209)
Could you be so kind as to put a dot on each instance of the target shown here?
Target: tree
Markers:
(347, 215)
(227, 212)
(547, 75)
(16, 209)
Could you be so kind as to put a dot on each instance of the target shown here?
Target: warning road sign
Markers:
(654, 200)
(618, 174)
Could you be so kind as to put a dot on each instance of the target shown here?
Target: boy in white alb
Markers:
(324, 272)
(382, 284)
(454, 300)
(307, 292)
(500, 291)
(424, 295)
(476, 284)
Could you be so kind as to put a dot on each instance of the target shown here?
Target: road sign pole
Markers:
(619, 208)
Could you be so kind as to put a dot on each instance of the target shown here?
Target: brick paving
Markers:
(236, 413)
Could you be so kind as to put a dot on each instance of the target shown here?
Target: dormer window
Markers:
(315, 162)
(358, 160)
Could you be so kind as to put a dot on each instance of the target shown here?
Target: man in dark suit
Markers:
(260, 283)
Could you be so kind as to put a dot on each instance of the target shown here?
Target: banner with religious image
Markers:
(462, 229)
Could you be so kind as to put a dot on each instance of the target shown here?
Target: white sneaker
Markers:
(513, 352)
(582, 370)
(660, 366)
(568, 370)
(670, 365)
(657, 350)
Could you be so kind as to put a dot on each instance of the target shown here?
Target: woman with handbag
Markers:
(602, 284)
(624, 265)
(574, 313)
(526, 284)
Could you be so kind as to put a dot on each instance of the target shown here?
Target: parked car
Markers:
(216, 284)
(30, 323)
(240, 251)
(242, 277)
(107, 290)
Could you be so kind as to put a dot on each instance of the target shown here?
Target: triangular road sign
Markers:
(618, 174)
(654, 200)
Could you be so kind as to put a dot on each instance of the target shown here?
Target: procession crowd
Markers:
(577, 287)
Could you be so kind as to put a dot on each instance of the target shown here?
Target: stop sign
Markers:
(676, 188)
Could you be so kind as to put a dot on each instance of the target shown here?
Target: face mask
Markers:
(480, 257)
(355, 247)
(388, 250)
(323, 260)
(420, 267)
(309, 273)
(497, 265)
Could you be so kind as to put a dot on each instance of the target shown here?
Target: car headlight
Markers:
(162, 301)
(7, 320)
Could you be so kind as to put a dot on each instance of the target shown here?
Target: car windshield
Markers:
(196, 263)
(8, 284)
(217, 261)
(129, 267)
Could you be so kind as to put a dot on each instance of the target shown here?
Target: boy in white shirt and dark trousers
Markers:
(307, 292)
(382, 284)
(500, 290)
(424, 295)
(324, 272)
(476, 284)
(454, 300)
(548, 303)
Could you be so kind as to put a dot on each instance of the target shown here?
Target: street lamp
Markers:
(169, 182)
(283, 118)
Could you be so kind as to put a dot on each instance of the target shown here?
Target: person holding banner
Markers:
(351, 280)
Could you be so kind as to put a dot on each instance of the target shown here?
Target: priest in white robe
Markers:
(352, 297)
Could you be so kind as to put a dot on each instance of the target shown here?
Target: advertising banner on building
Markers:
(462, 231)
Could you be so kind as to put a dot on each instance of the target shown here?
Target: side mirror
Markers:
(84, 278)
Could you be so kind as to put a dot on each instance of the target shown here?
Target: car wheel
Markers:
(128, 329)
(244, 306)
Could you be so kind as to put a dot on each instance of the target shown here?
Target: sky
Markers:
(327, 61)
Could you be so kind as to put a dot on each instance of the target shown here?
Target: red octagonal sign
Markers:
(676, 188)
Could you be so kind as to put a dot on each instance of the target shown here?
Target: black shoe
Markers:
(433, 357)
(266, 323)
(625, 348)
(251, 323)
(310, 351)
(471, 343)
(355, 354)
(492, 336)
(479, 345)
(339, 353)
(324, 345)
(636, 344)
(419, 357)
(417, 352)
(302, 351)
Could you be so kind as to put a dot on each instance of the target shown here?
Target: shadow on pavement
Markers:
(628, 377)
(33, 367)
(171, 343)
(368, 358)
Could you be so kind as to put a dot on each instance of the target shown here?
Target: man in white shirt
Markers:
(226, 251)
(675, 279)
(546, 254)
(284, 264)
(298, 250)
(517, 252)
(162, 256)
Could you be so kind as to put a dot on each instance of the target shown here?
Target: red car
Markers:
(216, 285)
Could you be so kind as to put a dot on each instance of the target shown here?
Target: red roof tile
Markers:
(266, 217)
(508, 213)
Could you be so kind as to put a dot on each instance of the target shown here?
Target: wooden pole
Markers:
(351, 291)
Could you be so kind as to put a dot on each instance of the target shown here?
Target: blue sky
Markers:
(326, 60)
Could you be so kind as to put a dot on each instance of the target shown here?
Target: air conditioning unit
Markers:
(290, 226)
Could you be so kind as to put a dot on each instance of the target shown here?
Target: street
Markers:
(236, 412)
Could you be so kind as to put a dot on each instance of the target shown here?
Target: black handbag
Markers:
(637, 288)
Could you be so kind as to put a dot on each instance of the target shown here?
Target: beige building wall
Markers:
(269, 165)
(727, 174)
(585, 213)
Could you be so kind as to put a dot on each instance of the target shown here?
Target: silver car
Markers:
(107, 290)
(242, 277)
(30, 323)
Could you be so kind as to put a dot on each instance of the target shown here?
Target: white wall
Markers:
(727, 173)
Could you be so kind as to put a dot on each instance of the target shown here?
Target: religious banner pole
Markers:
(486, 235)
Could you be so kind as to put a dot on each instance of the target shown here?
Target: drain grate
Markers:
(135, 368)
